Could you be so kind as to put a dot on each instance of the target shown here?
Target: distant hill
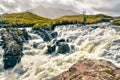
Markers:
(22, 19)
(51, 11)
(28, 19)
(24, 15)
(90, 18)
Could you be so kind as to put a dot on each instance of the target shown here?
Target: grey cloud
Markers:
(110, 7)
(17, 5)
(7, 6)
(114, 10)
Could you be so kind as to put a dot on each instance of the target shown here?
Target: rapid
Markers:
(96, 41)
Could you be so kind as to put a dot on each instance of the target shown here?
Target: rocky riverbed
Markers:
(93, 51)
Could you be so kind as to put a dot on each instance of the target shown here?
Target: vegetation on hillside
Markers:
(117, 22)
(23, 19)
(27, 19)
(90, 18)
(74, 19)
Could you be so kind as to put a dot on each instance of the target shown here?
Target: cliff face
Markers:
(91, 70)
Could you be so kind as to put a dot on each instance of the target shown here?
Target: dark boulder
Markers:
(63, 48)
(1, 42)
(95, 27)
(35, 45)
(54, 34)
(12, 55)
(18, 39)
(43, 34)
(25, 35)
(46, 35)
(60, 40)
(50, 49)
(58, 46)
(11, 61)
(12, 43)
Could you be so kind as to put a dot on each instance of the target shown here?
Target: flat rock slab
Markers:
(91, 70)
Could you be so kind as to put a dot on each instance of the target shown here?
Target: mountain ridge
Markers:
(51, 11)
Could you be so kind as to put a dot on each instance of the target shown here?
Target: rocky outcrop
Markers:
(25, 35)
(46, 35)
(12, 55)
(91, 70)
(12, 43)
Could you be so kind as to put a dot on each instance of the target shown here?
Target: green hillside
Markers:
(90, 18)
(23, 19)
(27, 19)
(73, 19)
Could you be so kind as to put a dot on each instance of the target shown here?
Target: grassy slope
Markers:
(73, 19)
(22, 19)
(25, 19)
(117, 20)
(90, 18)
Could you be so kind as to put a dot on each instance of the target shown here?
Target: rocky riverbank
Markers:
(91, 70)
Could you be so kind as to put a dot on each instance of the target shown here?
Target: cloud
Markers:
(18, 5)
(110, 7)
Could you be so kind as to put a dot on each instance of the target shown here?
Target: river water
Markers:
(101, 42)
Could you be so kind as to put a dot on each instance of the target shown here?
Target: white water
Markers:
(89, 43)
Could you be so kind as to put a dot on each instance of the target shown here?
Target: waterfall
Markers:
(94, 41)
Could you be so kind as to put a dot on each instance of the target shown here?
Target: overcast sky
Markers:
(109, 7)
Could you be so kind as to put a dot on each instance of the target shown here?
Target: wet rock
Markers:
(35, 45)
(60, 40)
(11, 61)
(13, 49)
(25, 35)
(54, 34)
(90, 70)
(116, 41)
(51, 49)
(12, 43)
(63, 48)
(58, 46)
(46, 35)
(94, 27)
(1, 42)
(18, 39)
(43, 33)
(12, 55)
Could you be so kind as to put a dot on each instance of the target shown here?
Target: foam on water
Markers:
(89, 42)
